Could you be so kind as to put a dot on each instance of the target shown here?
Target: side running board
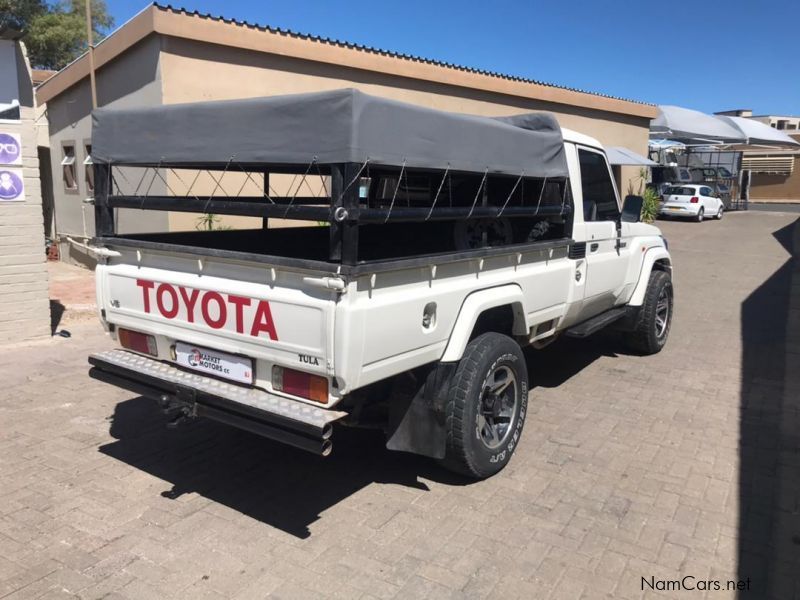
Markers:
(596, 323)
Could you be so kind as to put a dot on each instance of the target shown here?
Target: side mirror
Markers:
(632, 209)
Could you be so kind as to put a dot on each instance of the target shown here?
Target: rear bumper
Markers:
(257, 411)
(680, 209)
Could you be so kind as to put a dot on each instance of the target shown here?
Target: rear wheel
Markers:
(486, 406)
(655, 318)
(700, 215)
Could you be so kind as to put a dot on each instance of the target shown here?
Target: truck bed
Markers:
(382, 246)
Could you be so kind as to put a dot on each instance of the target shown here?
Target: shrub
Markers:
(650, 206)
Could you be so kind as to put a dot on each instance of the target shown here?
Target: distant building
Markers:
(166, 55)
(782, 122)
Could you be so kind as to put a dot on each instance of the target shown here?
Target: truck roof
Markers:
(579, 138)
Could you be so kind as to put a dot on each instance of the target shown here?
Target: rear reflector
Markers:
(694, 200)
(297, 383)
(140, 342)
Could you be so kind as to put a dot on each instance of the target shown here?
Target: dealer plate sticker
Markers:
(214, 362)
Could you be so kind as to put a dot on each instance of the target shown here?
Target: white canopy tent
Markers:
(693, 127)
(617, 155)
(757, 133)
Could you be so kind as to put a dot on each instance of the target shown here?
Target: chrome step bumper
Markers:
(254, 410)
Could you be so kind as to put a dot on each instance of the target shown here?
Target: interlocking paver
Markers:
(685, 463)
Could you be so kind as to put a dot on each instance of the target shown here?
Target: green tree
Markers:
(19, 13)
(56, 32)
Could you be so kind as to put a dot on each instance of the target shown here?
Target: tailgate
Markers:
(270, 315)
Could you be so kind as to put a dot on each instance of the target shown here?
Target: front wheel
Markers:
(655, 317)
(719, 213)
(486, 406)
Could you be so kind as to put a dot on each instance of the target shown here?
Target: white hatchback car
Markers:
(691, 200)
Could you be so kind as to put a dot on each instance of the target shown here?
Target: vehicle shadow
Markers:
(288, 488)
(559, 362)
(769, 430)
(273, 483)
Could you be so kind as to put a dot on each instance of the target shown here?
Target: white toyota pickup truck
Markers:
(436, 246)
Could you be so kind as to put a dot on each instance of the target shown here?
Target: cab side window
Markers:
(599, 199)
(706, 191)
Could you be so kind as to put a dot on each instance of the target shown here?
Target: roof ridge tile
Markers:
(390, 53)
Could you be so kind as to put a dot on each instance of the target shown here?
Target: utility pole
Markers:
(91, 51)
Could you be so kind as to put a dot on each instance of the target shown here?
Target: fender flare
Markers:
(472, 307)
(654, 254)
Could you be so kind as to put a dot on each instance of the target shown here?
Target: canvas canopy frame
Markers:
(410, 161)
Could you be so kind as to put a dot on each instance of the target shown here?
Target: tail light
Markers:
(694, 200)
(297, 383)
(140, 342)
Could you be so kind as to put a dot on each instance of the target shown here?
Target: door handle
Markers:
(594, 247)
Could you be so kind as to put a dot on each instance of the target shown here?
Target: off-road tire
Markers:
(700, 215)
(645, 338)
(466, 452)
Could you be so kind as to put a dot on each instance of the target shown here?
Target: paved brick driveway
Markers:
(686, 463)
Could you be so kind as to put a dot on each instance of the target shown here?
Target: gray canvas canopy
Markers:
(342, 126)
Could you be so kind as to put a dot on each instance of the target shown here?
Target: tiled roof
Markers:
(382, 52)
(41, 75)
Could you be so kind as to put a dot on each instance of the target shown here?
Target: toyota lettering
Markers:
(212, 308)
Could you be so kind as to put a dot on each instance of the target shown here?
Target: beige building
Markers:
(774, 173)
(166, 56)
(24, 298)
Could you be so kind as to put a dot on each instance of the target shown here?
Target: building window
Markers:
(68, 167)
(88, 167)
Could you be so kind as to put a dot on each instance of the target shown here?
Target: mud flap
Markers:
(417, 413)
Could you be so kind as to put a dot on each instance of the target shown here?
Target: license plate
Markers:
(672, 208)
(214, 362)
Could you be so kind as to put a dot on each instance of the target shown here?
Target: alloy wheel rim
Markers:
(498, 403)
(662, 313)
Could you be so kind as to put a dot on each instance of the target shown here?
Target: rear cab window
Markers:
(599, 198)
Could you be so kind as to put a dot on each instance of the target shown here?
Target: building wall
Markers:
(134, 79)
(24, 297)
(194, 71)
(166, 69)
(8, 71)
(776, 188)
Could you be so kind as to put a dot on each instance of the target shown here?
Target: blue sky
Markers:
(708, 54)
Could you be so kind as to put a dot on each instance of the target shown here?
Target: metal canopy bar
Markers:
(243, 206)
(256, 207)
(378, 215)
